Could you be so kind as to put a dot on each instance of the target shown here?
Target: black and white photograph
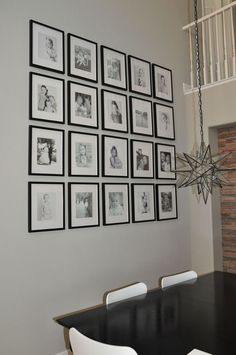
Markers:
(142, 164)
(82, 58)
(164, 121)
(46, 151)
(162, 83)
(46, 206)
(139, 76)
(165, 161)
(166, 201)
(83, 203)
(83, 154)
(46, 47)
(114, 111)
(143, 203)
(115, 203)
(113, 65)
(82, 105)
(141, 116)
(115, 156)
(47, 98)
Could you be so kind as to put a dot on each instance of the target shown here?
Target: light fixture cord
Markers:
(198, 67)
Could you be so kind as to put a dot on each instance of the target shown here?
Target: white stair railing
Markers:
(217, 44)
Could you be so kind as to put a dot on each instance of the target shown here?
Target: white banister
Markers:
(213, 14)
(218, 69)
(225, 48)
(217, 46)
(233, 41)
(204, 54)
(191, 57)
(211, 51)
(203, 7)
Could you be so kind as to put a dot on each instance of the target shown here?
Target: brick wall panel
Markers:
(226, 143)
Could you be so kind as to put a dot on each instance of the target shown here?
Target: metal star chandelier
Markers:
(202, 169)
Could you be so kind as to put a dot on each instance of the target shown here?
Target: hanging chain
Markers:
(198, 67)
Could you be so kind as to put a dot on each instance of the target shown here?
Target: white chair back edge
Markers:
(82, 345)
(178, 278)
(134, 290)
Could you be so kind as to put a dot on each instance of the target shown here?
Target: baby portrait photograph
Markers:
(115, 203)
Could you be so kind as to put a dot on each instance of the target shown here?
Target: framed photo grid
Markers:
(47, 98)
(166, 202)
(46, 47)
(82, 105)
(139, 76)
(82, 58)
(165, 161)
(143, 203)
(141, 116)
(46, 157)
(46, 151)
(115, 156)
(83, 204)
(114, 111)
(113, 65)
(115, 203)
(164, 121)
(46, 206)
(83, 154)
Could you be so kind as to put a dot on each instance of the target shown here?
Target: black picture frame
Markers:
(142, 159)
(115, 199)
(42, 54)
(86, 69)
(46, 151)
(167, 206)
(85, 199)
(46, 206)
(165, 161)
(115, 165)
(114, 121)
(143, 202)
(49, 104)
(141, 116)
(116, 75)
(89, 166)
(162, 83)
(82, 115)
(164, 121)
(139, 76)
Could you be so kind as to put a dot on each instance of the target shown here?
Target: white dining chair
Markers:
(137, 289)
(82, 345)
(171, 280)
(198, 352)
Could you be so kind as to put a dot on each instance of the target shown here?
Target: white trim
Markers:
(207, 86)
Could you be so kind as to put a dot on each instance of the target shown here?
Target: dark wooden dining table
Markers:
(173, 321)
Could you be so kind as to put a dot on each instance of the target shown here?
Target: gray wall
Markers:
(44, 275)
(219, 109)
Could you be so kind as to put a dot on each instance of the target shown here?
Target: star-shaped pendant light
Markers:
(202, 169)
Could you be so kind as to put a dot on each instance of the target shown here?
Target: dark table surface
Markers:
(174, 321)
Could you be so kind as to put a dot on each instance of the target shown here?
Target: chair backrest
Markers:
(178, 278)
(134, 290)
(198, 352)
(82, 345)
